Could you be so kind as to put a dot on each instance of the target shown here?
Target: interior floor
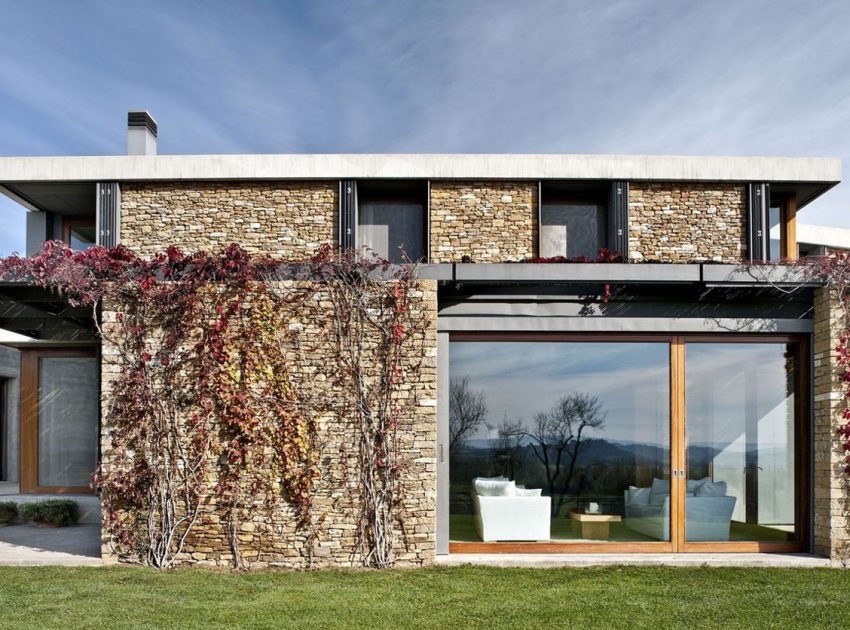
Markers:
(462, 529)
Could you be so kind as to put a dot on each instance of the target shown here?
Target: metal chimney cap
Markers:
(141, 118)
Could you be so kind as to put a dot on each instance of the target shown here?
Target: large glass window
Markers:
(552, 438)
(740, 428)
(558, 440)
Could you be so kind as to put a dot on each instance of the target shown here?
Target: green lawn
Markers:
(429, 598)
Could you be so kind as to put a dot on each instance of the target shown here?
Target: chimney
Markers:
(141, 133)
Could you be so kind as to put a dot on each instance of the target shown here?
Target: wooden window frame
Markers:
(678, 450)
(787, 204)
(29, 420)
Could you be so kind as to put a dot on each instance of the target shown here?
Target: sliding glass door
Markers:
(59, 420)
(616, 442)
(559, 440)
(742, 426)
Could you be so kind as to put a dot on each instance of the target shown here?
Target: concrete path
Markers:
(24, 544)
(800, 560)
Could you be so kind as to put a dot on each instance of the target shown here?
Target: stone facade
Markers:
(489, 221)
(273, 540)
(831, 490)
(686, 222)
(287, 220)
(492, 221)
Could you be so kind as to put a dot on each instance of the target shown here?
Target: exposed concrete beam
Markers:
(433, 166)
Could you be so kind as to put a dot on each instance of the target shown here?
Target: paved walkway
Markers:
(24, 544)
(800, 560)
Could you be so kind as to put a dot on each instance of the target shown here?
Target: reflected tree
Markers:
(507, 451)
(555, 438)
(467, 411)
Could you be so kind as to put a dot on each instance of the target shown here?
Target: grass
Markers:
(611, 597)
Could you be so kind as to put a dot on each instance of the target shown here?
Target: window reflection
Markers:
(80, 234)
(740, 437)
(774, 233)
(559, 441)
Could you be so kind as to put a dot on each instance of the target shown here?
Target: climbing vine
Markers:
(210, 397)
(833, 270)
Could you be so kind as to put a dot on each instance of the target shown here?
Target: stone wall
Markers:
(685, 222)
(287, 220)
(831, 489)
(492, 221)
(489, 221)
(273, 539)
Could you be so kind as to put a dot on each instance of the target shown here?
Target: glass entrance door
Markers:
(59, 420)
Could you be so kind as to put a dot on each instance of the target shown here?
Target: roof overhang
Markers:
(435, 166)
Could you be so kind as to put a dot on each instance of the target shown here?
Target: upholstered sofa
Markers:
(708, 510)
(505, 511)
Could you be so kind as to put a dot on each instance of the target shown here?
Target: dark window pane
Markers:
(572, 229)
(394, 230)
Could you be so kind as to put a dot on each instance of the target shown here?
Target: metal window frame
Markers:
(758, 202)
(618, 218)
(347, 214)
(428, 221)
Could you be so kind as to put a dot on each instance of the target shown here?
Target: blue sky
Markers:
(667, 76)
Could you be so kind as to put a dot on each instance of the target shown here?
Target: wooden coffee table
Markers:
(594, 526)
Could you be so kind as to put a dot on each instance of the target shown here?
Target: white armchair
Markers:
(505, 516)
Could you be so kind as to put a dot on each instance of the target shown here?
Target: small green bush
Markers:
(56, 512)
(8, 512)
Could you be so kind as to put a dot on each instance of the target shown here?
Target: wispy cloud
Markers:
(745, 78)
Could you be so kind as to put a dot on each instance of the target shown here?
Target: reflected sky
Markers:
(630, 379)
(522, 378)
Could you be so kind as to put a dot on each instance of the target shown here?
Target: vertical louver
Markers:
(108, 214)
(618, 218)
(758, 199)
(347, 213)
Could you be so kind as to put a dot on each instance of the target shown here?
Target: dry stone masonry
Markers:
(274, 540)
(686, 222)
(831, 488)
(287, 220)
(490, 222)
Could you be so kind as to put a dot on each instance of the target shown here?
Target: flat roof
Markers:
(826, 236)
(824, 171)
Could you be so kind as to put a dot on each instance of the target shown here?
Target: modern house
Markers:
(672, 399)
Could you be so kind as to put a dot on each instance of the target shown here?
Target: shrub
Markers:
(8, 512)
(55, 512)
